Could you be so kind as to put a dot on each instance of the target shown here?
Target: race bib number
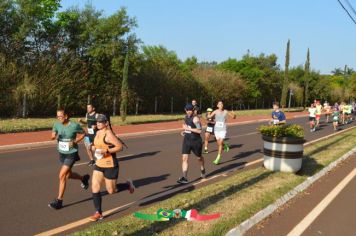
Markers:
(275, 122)
(209, 129)
(98, 154)
(90, 131)
(219, 124)
(63, 146)
(188, 131)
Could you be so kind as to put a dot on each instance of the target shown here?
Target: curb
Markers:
(259, 216)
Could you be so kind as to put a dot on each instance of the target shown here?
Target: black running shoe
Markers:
(182, 180)
(56, 204)
(91, 163)
(85, 182)
(202, 174)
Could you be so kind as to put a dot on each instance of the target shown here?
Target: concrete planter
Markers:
(283, 154)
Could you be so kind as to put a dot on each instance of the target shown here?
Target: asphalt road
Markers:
(29, 179)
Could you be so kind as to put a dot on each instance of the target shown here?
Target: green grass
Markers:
(238, 197)
(34, 124)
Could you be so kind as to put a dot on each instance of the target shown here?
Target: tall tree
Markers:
(306, 79)
(124, 89)
(285, 81)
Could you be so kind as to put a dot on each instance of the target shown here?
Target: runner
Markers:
(90, 120)
(327, 110)
(209, 129)
(220, 116)
(312, 114)
(278, 117)
(348, 113)
(319, 108)
(335, 115)
(106, 169)
(68, 134)
(342, 114)
(197, 110)
(191, 142)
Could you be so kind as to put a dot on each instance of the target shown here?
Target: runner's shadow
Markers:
(149, 180)
(144, 154)
(239, 165)
(246, 154)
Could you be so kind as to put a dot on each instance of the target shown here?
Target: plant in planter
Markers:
(283, 147)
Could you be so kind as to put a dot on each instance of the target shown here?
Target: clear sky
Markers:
(215, 30)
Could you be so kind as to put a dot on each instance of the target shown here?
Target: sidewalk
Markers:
(130, 130)
(325, 208)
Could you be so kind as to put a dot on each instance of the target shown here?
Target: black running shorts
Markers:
(68, 159)
(194, 145)
(109, 173)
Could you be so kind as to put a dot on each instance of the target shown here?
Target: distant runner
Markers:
(327, 110)
(209, 129)
(90, 120)
(335, 116)
(278, 117)
(191, 142)
(312, 115)
(68, 134)
(220, 116)
(319, 109)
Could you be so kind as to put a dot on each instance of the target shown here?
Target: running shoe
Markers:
(131, 186)
(202, 174)
(85, 182)
(226, 147)
(56, 204)
(91, 163)
(97, 216)
(205, 151)
(182, 180)
(217, 160)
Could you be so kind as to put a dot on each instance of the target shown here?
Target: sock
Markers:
(97, 201)
(185, 174)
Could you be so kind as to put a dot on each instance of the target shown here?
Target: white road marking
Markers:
(304, 224)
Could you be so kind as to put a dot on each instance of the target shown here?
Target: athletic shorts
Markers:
(220, 134)
(194, 145)
(317, 116)
(68, 159)
(311, 118)
(109, 173)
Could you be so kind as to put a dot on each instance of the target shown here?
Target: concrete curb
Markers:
(259, 216)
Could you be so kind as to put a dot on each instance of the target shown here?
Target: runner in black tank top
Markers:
(90, 120)
(191, 142)
(209, 129)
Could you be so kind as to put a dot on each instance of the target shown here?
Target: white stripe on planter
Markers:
(282, 164)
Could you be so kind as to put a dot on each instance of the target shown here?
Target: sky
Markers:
(215, 30)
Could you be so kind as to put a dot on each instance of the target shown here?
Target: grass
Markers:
(35, 124)
(238, 197)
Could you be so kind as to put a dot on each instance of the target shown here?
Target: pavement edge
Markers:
(259, 216)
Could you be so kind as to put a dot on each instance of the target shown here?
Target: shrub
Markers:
(279, 131)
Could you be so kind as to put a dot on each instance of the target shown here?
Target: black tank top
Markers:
(91, 120)
(210, 122)
(189, 121)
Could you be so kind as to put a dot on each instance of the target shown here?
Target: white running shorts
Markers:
(220, 134)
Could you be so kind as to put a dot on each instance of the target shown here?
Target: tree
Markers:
(124, 89)
(285, 81)
(306, 79)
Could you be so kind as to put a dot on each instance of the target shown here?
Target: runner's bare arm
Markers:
(54, 135)
(111, 138)
(232, 114)
(212, 114)
(79, 137)
(197, 123)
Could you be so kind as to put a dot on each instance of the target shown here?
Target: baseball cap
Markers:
(209, 109)
(102, 118)
(188, 107)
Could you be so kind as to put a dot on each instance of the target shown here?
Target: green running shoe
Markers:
(226, 147)
(217, 160)
(206, 151)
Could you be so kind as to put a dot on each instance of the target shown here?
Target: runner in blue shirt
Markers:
(278, 117)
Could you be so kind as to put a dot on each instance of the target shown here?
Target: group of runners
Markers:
(101, 144)
(342, 113)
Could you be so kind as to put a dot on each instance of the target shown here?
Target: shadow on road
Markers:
(149, 180)
(144, 154)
